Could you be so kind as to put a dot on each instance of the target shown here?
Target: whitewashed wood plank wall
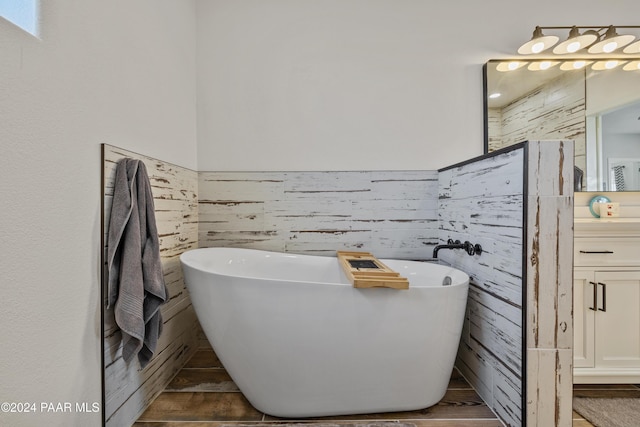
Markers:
(129, 389)
(554, 111)
(549, 249)
(395, 214)
(482, 202)
(516, 202)
(392, 214)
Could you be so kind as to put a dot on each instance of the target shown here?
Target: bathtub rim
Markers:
(188, 255)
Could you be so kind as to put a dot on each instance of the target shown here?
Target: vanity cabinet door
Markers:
(583, 319)
(618, 319)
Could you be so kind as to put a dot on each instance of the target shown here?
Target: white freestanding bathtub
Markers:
(300, 341)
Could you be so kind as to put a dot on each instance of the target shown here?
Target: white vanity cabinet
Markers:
(606, 307)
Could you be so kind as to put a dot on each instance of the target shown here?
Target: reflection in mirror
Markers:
(561, 102)
(613, 141)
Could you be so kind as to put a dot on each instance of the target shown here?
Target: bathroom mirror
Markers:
(598, 109)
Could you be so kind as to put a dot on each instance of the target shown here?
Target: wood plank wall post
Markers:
(516, 347)
(128, 390)
(482, 201)
(549, 263)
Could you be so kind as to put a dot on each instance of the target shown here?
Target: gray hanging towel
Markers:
(136, 287)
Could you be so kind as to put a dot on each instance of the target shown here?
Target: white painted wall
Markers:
(358, 84)
(117, 72)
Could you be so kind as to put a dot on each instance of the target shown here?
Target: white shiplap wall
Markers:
(483, 202)
(514, 203)
(555, 111)
(394, 214)
(129, 389)
(390, 213)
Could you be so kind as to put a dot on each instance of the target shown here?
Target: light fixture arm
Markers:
(590, 27)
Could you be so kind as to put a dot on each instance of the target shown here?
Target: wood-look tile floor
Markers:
(203, 395)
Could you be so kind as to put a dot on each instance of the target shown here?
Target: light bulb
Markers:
(610, 64)
(509, 66)
(538, 47)
(573, 47)
(545, 64)
(494, 95)
(611, 41)
(576, 64)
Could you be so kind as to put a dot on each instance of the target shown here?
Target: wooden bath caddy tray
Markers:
(366, 271)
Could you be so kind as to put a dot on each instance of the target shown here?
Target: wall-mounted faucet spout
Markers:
(469, 247)
(450, 245)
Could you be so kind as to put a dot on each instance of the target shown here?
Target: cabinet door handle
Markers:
(595, 296)
(596, 252)
(604, 297)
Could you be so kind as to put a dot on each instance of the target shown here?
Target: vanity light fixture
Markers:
(576, 41)
(632, 66)
(578, 64)
(538, 43)
(632, 48)
(602, 64)
(542, 65)
(510, 65)
(611, 41)
(609, 64)
(595, 39)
